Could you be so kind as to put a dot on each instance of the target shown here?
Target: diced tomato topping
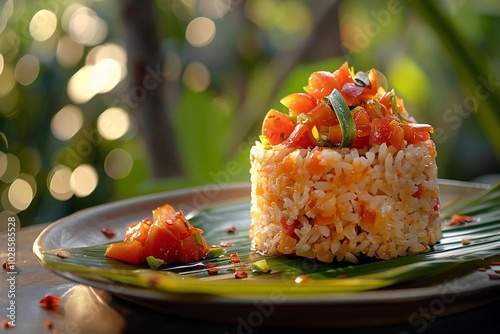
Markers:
(417, 133)
(361, 116)
(299, 103)
(321, 84)
(322, 115)
(335, 134)
(379, 115)
(301, 136)
(386, 131)
(138, 231)
(372, 89)
(352, 93)
(277, 126)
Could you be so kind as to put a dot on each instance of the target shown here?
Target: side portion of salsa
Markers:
(343, 109)
(168, 236)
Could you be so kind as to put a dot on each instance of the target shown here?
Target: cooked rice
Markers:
(347, 202)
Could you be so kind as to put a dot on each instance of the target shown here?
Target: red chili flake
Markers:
(465, 242)
(232, 229)
(7, 324)
(342, 276)
(63, 254)
(8, 265)
(240, 274)
(235, 258)
(495, 263)
(49, 302)
(226, 244)
(213, 271)
(460, 220)
(49, 324)
(108, 232)
(482, 269)
(209, 264)
(494, 276)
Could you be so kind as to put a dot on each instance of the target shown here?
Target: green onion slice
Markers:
(347, 125)
(261, 266)
(214, 253)
(154, 263)
(197, 237)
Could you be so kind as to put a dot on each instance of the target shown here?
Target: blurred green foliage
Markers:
(216, 115)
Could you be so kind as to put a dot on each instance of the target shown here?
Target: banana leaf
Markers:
(228, 223)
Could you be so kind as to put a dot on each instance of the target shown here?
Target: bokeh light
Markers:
(27, 70)
(105, 67)
(42, 25)
(10, 102)
(200, 31)
(12, 168)
(113, 123)
(215, 9)
(104, 75)
(109, 51)
(58, 182)
(2, 63)
(196, 76)
(3, 163)
(86, 27)
(83, 180)
(68, 52)
(7, 80)
(66, 122)
(118, 163)
(20, 194)
(6, 13)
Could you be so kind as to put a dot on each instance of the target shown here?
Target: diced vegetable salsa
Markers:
(343, 109)
(168, 237)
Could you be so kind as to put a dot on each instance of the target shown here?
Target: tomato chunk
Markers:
(301, 136)
(323, 115)
(416, 133)
(387, 131)
(321, 84)
(126, 251)
(298, 103)
(277, 126)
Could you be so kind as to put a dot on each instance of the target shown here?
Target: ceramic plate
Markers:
(222, 211)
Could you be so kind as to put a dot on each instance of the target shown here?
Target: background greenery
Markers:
(442, 57)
